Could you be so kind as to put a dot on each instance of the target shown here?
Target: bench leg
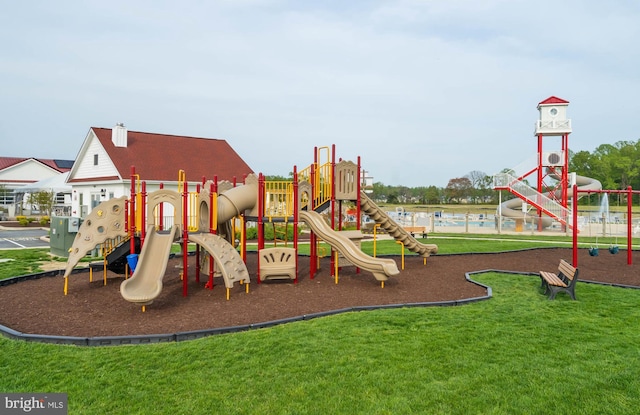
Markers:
(544, 285)
(555, 290)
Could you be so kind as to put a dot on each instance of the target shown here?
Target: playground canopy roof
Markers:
(55, 184)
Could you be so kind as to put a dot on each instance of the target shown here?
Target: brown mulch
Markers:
(92, 309)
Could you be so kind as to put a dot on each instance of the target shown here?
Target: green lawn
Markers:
(516, 353)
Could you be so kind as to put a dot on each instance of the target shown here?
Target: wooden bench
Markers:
(564, 281)
(277, 263)
(416, 229)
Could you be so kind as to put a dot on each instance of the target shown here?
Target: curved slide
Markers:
(394, 229)
(146, 282)
(381, 268)
(229, 261)
(512, 208)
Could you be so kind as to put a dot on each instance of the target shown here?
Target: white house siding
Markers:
(87, 169)
(27, 171)
(16, 176)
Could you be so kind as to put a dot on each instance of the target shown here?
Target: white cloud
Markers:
(424, 91)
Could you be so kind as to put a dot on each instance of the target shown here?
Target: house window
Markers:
(95, 200)
(95, 159)
(6, 197)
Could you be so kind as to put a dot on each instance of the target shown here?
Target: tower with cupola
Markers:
(552, 132)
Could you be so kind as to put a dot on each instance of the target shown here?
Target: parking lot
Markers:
(23, 238)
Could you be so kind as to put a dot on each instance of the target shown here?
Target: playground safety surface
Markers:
(91, 309)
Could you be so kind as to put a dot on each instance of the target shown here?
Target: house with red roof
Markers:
(18, 172)
(103, 166)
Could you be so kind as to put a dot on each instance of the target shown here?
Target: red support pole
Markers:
(332, 202)
(197, 246)
(295, 218)
(313, 242)
(575, 226)
(243, 238)
(126, 215)
(213, 223)
(358, 190)
(185, 236)
(565, 170)
(539, 179)
(161, 212)
(629, 233)
(143, 213)
(260, 218)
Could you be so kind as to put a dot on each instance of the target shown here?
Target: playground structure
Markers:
(552, 191)
(629, 192)
(555, 186)
(146, 225)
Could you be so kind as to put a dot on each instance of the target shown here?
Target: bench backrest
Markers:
(567, 272)
(277, 256)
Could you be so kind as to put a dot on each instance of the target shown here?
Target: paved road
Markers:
(23, 238)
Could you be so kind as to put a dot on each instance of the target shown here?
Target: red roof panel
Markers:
(160, 156)
(59, 165)
(553, 100)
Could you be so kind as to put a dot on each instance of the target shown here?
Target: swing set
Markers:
(613, 249)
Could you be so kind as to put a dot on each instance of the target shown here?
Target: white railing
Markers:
(553, 125)
(532, 196)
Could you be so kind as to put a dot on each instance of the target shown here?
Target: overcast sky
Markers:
(423, 91)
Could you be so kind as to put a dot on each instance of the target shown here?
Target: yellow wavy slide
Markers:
(394, 229)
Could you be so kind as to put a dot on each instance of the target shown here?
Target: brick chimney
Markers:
(119, 135)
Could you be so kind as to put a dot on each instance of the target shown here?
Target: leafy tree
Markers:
(432, 195)
(458, 189)
(44, 200)
(482, 186)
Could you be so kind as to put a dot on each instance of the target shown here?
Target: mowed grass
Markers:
(14, 262)
(516, 353)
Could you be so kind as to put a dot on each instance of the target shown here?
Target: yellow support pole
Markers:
(375, 227)
(90, 273)
(246, 288)
(424, 261)
(402, 255)
(104, 271)
(382, 284)
(228, 293)
(336, 267)
(144, 308)
(66, 285)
